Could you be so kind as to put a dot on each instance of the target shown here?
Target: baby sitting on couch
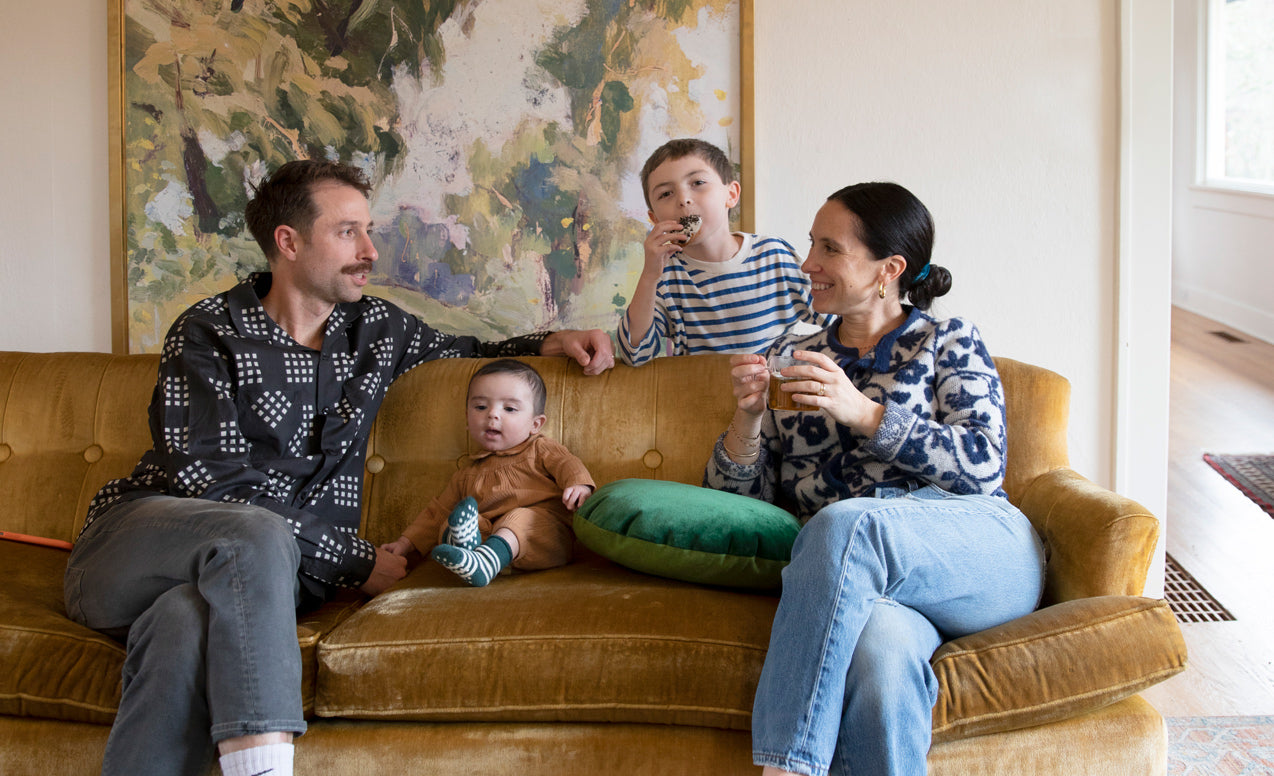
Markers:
(518, 493)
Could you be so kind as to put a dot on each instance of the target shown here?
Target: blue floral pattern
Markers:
(943, 425)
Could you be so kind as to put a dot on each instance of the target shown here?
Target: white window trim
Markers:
(1210, 154)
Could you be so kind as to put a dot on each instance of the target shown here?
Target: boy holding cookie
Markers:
(703, 287)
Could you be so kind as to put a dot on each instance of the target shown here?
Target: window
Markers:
(1239, 131)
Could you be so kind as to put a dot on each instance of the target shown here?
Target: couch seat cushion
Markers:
(51, 667)
(590, 641)
(596, 642)
(1053, 664)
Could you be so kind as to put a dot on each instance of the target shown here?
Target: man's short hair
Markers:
(683, 147)
(286, 198)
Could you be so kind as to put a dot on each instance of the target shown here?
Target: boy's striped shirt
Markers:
(735, 306)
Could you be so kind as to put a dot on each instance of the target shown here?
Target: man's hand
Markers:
(389, 569)
(591, 348)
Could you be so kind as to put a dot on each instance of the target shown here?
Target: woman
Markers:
(908, 538)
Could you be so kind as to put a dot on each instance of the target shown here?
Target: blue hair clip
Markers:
(924, 273)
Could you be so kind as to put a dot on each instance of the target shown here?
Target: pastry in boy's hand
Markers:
(690, 226)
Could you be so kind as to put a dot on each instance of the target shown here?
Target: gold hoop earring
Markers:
(881, 291)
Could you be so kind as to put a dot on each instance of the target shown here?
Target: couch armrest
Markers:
(1099, 542)
(1053, 664)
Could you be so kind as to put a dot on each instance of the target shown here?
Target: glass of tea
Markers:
(779, 399)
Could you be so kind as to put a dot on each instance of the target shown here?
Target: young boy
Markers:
(703, 287)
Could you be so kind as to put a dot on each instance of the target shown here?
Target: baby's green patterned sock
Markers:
(462, 525)
(479, 566)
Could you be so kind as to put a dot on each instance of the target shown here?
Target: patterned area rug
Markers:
(1220, 746)
(1252, 474)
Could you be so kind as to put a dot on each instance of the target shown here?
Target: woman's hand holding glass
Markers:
(822, 384)
(749, 379)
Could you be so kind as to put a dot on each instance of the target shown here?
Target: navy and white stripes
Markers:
(736, 306)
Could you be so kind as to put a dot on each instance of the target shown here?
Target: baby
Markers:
(518, 492)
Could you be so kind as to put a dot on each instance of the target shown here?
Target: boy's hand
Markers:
(575, 495)
(665, 239)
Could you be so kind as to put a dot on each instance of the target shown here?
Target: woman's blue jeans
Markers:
(206, 593)
(874, 587)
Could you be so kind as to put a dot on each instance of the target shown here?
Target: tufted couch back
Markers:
(70, 422)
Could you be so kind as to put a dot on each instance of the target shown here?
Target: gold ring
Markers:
(822, 389)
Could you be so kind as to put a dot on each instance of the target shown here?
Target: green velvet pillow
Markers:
(684, 532)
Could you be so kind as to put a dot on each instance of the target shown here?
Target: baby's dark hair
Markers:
(286, 197)
(683, 147)
(509, 366)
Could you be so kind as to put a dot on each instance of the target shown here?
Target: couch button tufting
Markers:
(5, 452)
(653, 459)
(375, 464)
(93, 453)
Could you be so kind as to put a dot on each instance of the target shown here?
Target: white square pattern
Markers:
(272, 407)
(176, 439)
(248, 365)
(298, 367)
(231, 439)
(255, 321)
(176, 391)
(192, 480)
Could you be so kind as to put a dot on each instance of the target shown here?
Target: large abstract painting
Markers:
(504, 140)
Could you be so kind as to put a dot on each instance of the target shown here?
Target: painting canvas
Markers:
(503, 138)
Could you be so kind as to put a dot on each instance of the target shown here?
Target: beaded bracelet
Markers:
(740, 435)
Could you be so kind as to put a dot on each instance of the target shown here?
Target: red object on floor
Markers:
(1251, 474)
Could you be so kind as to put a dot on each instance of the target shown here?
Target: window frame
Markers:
(1210, 157)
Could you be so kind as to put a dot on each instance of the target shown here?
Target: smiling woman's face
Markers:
(844, 274)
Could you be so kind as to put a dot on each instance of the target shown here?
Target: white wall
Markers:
(55, 251)
(1002, 117)
(1223, 242)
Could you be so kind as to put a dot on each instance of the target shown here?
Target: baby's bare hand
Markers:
(574, 496)
(400, 546)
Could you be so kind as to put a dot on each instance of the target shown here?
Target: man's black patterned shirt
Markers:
(243, 413)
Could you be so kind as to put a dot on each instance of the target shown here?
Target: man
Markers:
(247, 506)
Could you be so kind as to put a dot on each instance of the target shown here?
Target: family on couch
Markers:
(246, 509)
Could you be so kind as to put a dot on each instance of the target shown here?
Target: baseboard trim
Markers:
(1236, 315)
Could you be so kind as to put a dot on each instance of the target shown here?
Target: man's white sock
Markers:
(268, 760)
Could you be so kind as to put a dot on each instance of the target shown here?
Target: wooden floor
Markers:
(1221, 401)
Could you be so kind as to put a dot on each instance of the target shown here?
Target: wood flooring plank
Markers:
(1221, 400)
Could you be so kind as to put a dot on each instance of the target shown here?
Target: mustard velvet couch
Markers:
(592, 667)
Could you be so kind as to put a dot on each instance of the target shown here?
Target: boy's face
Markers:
(501, 411)
(690, 186)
